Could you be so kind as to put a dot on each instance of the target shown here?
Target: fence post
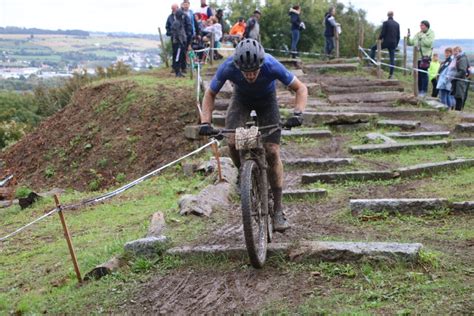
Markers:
(405, 57)
(415, 72)
(211, 49)
(336, 37)
(361, 43)
(379, 59)
(163, 49)
(68, 240)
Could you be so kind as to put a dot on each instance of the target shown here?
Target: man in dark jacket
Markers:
(390, 36)
(459, 83)
(179, 28)
(296, 26)
(330, 27)
(252, 28)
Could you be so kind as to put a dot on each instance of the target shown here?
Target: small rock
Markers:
(147, 247)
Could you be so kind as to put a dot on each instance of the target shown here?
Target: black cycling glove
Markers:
(206, 129)
(294, 121)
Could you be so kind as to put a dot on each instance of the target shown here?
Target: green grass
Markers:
(36, 272)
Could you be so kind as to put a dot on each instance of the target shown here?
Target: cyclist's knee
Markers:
(272, 152)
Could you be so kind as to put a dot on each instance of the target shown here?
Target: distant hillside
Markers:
(466, 44)
(36, 31)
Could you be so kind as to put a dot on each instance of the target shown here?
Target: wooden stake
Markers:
(216, 154)
(336, 36)
(379, 59)
(68, 240)
(211, 50)
(405, 43)
(361, 42)
(163, 48)
(415, 73)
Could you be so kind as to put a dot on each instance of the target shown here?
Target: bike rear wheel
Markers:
(254, 213)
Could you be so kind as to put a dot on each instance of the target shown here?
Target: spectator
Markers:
(458, 88)
(390, 36)
(423, 40)
(237, 31)
(252, 29)
(214, 28)
(296, 26)
(205, 11)
(444, 79)
(221, 21)
(433, 75)
(185, 7)
(178, 27)
(331, 26)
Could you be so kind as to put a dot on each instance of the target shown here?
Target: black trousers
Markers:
(179, 57)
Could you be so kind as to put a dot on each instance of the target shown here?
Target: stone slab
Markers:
(469, 142)
(317, 68)
(318, 162)
(403, 124)
(431, 168)
(295, 133)
(467, 117)
(415, 135)
(462, 206)
(382, 110)
(344, 128)
(464, 128)
(314, 251)
(370, 97)
(221, 104)
(361, 89)
(218, 119)
(303, 194)
(393, 206)
(331, 177)
(435, 104)
(378, 137)
(192, 132)
(148, 246)
(361, 149)
(337, 118)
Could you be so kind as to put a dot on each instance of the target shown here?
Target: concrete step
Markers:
(383, 111)
(467, 117)
(337, 118)
(304, 194)
(416, 135)
(408, 206)
(432, 168)
(331, 177)
(318, 162)
(464, 128)
(361, 149)
(318, 68)
(331, 90)
(352, 81)
(371, 97)
(403, 124)
(295, 133)
(313, 251)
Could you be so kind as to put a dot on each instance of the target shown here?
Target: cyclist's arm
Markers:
(301, 94)
(208, 106)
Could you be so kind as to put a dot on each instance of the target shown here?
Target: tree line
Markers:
(36, 31)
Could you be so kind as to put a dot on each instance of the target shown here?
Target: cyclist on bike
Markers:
(253, 74)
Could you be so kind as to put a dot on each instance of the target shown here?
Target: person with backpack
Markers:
(331, 26)
(296, 26)
(178, 27)
(254, 74)
(252, 28)
(459, 86)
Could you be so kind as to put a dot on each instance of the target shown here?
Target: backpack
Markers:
(178, 33)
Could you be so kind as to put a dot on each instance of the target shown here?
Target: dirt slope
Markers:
(110, 131)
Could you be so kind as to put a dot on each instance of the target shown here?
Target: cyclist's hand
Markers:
(206, 129)
(294, 121)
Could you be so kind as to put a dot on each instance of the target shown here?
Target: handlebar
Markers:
(218, 133)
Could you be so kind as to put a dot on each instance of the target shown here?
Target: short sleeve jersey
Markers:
(270, 71)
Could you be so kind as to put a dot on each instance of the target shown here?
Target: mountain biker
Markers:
(253, 73)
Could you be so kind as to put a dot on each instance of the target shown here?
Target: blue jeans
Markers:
(329, 44)
(295, 38)
(446, 98)
(391, 54)
(422, 80)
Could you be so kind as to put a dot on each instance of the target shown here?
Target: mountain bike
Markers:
(255, 195)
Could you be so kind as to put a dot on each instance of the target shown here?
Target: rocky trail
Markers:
(358, 131)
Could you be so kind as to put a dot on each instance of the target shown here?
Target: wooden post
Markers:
(68, 240)
(361, 43)
(379, 59)
(216, 154)
(211, 49)
(163, 49)
(336, 37)
(415, 72)
(405, 44)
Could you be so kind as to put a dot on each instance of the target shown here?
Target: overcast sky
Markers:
(448, 18)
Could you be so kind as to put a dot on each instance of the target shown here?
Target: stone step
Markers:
(360, 89)
(371, 97)
(384, 111)
(295, 133)
(337, 118)
(336, 61)
(352, 81)
(290, 101)
(331, 177)
(415, 135)
(318, 162)
(467, 117)
(318, 68)
(293, 62)
(464, 128)
(403, 124)
(313, 251)
(407, 206)
(361, 149)
(218, 119)
(304, 194)
(469, 142)
(431, 168)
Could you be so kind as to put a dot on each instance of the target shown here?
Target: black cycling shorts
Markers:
(238, 113)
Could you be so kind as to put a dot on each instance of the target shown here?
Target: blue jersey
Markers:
(270, 71)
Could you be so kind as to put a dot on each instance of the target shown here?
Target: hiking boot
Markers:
(179, 75)
(280, 224)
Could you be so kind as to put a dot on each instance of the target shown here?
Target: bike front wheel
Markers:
(254, 212)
